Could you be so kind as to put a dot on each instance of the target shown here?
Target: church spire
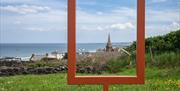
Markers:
(109, 38)
(109, 45)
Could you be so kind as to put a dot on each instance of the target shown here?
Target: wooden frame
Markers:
(106, 80)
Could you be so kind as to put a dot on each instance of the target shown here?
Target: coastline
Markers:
(25, 50)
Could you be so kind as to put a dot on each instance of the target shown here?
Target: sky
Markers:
(45, 21)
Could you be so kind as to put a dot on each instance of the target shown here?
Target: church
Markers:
(109, 47)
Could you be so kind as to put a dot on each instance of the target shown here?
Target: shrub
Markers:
(50, 63)
(167, 60)
(163, 60)
(116, 65)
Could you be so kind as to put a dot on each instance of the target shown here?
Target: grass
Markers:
(164, 60)
(123, 72)
(156, 80)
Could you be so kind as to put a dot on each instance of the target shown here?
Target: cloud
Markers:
(37, 16)
(158, 1)
(86, 2)
(24, 9)
(16, 1)
(44, 29)
(125, 11)
(17, 22)
(173, 26)
(161, 29)
(100, 13)
(120, 26)
(109, 27)
(162, 15)
(159, 22)
(120, 14)
(37, 29)
(116, 19)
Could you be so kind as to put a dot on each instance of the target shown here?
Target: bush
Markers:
(116, 65)
(160, 44)
(50, 63)
(167, 60)
(163, 60)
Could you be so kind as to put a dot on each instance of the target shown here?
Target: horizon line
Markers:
(65, 43)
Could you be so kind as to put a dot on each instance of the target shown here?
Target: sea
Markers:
(25, 50)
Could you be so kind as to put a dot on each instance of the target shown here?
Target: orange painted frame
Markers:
(106, 80)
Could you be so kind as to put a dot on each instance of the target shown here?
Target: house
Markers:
(10, 59)
(53, 56)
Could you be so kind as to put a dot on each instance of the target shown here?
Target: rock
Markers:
(8, 71)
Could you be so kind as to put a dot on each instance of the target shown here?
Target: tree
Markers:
(159, 44)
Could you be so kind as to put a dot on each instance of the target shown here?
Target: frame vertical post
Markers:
(106, 87)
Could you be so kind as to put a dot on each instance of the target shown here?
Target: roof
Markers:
(37, 57)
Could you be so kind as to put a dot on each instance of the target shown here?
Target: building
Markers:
(103, 55)
(109, 47)
(10, 59)
(53, 56)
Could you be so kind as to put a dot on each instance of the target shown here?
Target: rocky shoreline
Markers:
(10, 68)
(10, 71)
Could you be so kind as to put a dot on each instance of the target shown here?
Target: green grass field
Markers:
(156, 80)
